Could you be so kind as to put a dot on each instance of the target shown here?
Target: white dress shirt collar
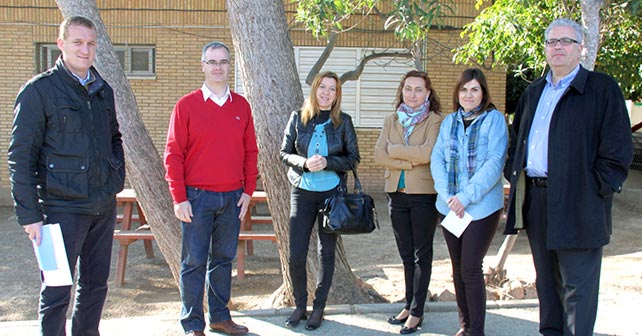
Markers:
(220, 101)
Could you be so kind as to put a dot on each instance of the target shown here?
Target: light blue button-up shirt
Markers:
(483, 193)
(83, 81)
(537, 150)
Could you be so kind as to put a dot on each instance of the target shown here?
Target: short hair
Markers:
(435, 103)
(214, 45)
(74, 21)
(310, 107)
(563, 22)
(465, 77)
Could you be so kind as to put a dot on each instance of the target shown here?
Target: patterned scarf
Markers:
(409, 117)
(453, 183)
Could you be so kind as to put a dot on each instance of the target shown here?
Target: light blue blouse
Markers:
(323, 180)
(483, 193)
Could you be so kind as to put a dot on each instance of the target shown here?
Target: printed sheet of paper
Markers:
(52, 257)
(456, 225)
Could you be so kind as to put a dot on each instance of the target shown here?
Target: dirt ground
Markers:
(150, 290)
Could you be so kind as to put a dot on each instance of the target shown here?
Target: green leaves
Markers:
(510, 33)
(322, 16)
(410, 19)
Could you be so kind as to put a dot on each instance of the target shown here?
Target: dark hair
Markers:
(435, 104)
(465, 77)
(75, 21)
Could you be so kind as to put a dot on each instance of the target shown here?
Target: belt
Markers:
(539, 182)
(401, 190)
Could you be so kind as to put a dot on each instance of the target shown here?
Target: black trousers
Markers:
(567, 279)
(414, 219)
(88, 241)
(467, 255)
(304, 213)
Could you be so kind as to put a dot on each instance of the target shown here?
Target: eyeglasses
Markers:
(565, 42)
(222, 63)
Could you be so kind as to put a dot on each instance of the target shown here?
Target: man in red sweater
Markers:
(211, 163)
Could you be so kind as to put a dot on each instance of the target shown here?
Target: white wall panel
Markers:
(369, 99)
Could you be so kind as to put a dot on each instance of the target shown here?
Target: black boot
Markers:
(296, 316)
(315, 319)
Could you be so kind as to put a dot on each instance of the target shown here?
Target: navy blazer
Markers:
(589, 153)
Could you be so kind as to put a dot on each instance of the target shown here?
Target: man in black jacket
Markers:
(66, 164)
(570, 150)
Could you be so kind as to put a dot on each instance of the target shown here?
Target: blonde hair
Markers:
(310, 107)
(76, 21)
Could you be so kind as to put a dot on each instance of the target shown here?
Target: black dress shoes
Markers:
(315, 319)
(295, 318)
(409, 330)
(394, 321)
(228, 327)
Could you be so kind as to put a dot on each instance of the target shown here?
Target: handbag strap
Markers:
(357, 183)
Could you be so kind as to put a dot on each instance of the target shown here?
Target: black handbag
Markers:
(345, 213)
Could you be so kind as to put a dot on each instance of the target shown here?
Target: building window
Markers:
(136, 60)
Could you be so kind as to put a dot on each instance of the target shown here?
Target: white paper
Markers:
(55, 271)
(456, 225)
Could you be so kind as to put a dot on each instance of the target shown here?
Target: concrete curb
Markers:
(385, 308)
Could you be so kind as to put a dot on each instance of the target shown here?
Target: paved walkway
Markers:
(503, 319)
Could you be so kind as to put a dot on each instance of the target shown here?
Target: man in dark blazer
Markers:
(570, 150)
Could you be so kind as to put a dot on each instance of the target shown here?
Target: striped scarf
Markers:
(453, 169)
(409, 117)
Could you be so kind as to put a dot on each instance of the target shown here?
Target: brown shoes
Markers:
(228, 327)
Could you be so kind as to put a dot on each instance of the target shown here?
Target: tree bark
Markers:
(265, 55)
(591, 23)
(145, 169)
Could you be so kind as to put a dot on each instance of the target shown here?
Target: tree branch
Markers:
(332, 42)
(356, 73)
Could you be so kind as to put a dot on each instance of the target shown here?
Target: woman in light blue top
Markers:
(319, 146)
(466, 164)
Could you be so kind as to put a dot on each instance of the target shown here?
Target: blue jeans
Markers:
(304, 212)
(88, 240)
(208, 248)
(414, 220)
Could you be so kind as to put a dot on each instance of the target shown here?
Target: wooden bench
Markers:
(126, 235)
(246, 237)
(250, 219)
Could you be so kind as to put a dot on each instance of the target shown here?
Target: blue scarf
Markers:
(453, 171)
(409, 117)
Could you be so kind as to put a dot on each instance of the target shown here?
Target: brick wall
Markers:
(178, 36)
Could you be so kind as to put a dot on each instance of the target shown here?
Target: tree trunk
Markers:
(145, 170)
(266, 58)
(591, 23)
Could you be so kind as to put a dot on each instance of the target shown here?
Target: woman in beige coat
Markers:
(404, 148)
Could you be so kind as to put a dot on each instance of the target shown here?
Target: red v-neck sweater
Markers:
(211, 147)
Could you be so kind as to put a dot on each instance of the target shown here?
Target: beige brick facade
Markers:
(178, 30)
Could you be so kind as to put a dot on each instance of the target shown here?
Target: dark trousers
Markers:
(208, 247)
(414, 220)
(567, 279)
(88, 240)
(467, 255)
(304, 212)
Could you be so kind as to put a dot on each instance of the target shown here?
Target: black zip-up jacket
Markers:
(66, 153)
(343, 148)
